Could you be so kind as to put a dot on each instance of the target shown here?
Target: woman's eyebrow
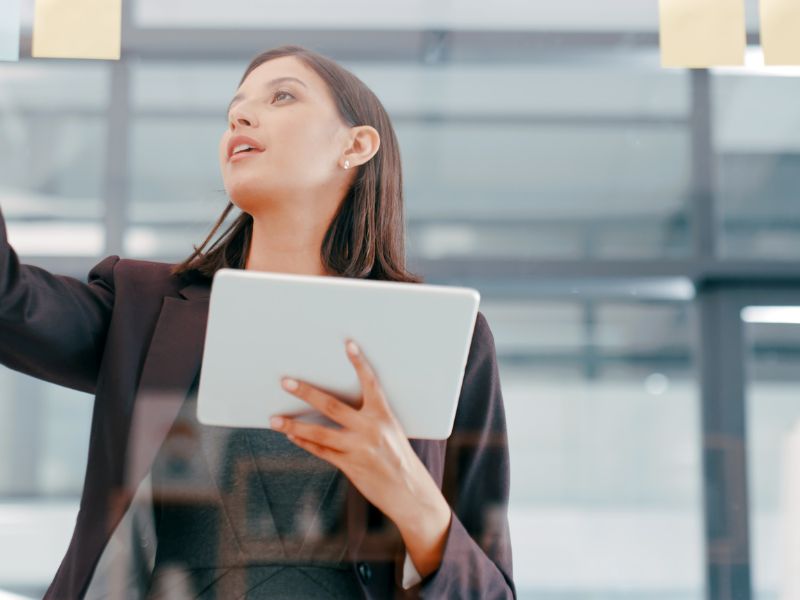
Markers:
(268, 84)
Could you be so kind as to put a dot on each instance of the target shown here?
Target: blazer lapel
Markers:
(172, 362)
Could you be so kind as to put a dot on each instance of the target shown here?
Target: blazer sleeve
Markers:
(53, 327)
(477, 555)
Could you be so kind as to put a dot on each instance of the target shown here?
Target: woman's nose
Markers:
(240, 120)
(240, 116)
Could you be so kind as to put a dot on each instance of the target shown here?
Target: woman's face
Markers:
(297, 125)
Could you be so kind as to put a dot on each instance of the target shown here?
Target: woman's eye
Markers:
(280, 92)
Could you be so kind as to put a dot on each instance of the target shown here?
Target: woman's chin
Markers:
(246, 196)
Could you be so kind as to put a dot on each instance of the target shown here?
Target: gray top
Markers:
(246, 513)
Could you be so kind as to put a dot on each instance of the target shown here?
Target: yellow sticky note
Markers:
(702, 33)
(77, 29)
(780, 31)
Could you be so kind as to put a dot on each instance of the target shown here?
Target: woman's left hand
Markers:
(374, 453)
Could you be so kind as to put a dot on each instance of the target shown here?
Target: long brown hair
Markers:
(366, 238)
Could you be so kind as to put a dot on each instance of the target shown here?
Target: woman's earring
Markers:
(347, 164)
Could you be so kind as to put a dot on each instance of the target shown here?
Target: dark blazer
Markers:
(133, 336)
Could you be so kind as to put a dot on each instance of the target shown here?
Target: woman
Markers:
(310, 157)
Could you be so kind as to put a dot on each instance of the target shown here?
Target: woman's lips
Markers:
(242, 155)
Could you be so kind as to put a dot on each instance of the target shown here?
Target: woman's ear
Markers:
(364, 144)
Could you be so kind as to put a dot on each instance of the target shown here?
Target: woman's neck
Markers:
(286, 245)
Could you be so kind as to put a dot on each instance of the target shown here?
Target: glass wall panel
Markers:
(181, 87)
(520, 190)
(757, 123)
(45, 428)
(52, 159)
(44, 439)
(176, 188)
(537, 131)
(773, 444)
(602, 407)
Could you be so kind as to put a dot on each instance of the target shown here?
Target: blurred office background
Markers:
(618, 218)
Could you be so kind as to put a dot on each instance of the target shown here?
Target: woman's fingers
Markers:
(318, 434)
(330, 406)
(374, 397)
(327, 454)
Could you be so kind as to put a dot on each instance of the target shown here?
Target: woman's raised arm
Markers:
(53, 327)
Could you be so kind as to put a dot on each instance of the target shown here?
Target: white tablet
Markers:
(263, 326)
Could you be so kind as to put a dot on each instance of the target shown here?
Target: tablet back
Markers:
(263, 326)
